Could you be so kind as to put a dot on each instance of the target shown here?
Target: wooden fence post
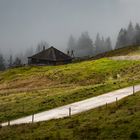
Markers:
(116, 101)
(69, 111)
(8, 122)
(133, 89)
(33, 118)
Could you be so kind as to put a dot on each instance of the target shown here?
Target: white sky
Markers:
(23, 23)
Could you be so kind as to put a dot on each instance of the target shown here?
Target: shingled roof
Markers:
(51, 54)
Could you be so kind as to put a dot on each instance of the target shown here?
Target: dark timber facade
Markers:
(50, 56)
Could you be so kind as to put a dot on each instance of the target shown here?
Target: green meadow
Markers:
(28, 90)
(120, 122)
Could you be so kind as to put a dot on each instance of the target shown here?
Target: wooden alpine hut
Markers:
(50, 56)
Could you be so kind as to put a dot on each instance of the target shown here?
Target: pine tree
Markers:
(137, 34)
(130, 34)
(2, 64)
(108, 45)
(41, 46)
(17, 62)
(10, 61)
(103, 49)
(98, 44)
(85, 45)
(71, 44)
(122, 39)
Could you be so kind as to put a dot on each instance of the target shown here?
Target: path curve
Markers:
(133, 57)
(77, 107)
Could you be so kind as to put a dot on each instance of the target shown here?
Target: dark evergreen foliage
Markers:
(2, 63)
(10, 61)
(102, 45)
(42, 45)
(129, 36)
(17, 62)
(85, 47)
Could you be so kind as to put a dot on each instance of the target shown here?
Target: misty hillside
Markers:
(32, 89)
(83, 47)
(125, 51)
(69, 69)
(47, 87)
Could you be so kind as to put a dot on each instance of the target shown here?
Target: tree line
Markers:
(82, 47)
(85, 46)
(128, 36)
(20, 59)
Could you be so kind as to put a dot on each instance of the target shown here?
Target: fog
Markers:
(23, 23)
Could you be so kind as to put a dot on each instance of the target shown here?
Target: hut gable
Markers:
(50, 56)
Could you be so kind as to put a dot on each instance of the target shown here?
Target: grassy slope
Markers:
(128, 50)
(116, 122)
(60, 85)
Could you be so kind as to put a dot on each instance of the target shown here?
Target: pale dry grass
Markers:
(129, 57)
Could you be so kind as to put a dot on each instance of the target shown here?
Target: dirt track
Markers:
(77, 107)
(134, 57)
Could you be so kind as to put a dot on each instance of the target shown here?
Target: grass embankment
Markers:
(27, 90)
(121, 122)
(125, 51)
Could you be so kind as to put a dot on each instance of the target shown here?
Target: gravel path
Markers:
(133, 57)
(77, 107)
